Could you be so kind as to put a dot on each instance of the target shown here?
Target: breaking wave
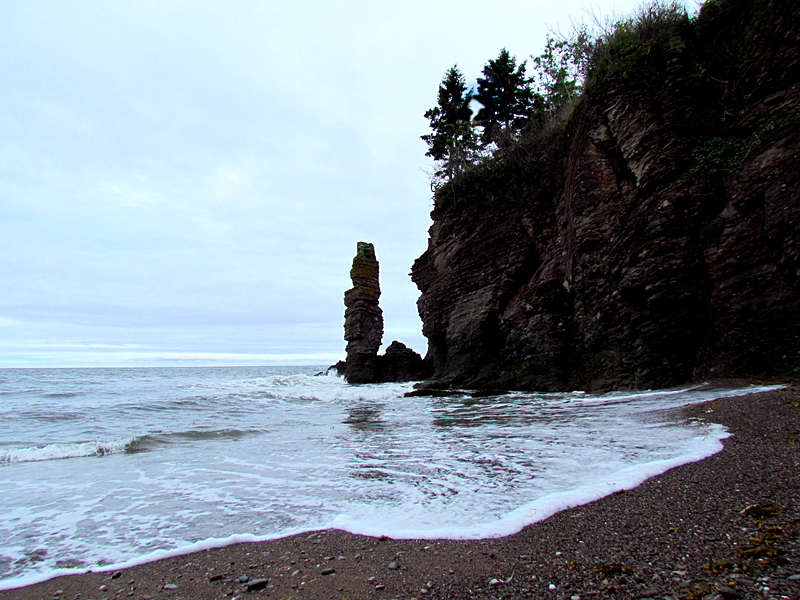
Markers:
(131, 445)
(70, 450)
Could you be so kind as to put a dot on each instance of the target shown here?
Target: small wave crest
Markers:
(158, 438)
(144, 443)
(68, 450)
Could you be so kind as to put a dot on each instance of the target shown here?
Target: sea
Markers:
(101, 468)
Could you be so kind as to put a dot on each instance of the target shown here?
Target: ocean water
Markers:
(100, 467)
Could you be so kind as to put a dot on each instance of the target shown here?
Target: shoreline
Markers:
(690, 535)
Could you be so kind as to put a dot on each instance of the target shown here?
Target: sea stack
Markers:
(363, 318)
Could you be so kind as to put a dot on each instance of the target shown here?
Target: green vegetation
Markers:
(712, 157)
(507, 98)
(515, 107)
(560, 71)
(454, 142)
(526, 116)
(624, 46)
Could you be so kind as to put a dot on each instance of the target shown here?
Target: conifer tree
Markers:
(453, 143)
(507, 98)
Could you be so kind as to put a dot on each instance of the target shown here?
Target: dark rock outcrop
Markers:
(363, 318)
(400, 363)
(363, 330)
(656, 239)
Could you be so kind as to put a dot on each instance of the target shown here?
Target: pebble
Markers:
(243, 579)
(380, 587)
(103, 588)
(170, 586)
(327, 571)
(725, 590)
(651, 592)
(551, 587)
(393, 565)
(216, 577)
(116, 575)
(794, 577)
(575, 597)
(58, 592)
(257, 584)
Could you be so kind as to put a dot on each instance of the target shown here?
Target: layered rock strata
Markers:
(363, 317)
(655, 241)
(363, 331)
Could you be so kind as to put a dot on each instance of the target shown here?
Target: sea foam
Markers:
(67, 450)
(252, 454)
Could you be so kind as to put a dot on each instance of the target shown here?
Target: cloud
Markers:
(200, 172)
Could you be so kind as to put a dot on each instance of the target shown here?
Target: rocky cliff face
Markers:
(651, 241)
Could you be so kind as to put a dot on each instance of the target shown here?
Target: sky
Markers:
(184, 182)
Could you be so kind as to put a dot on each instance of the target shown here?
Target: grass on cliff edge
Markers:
(629, 49)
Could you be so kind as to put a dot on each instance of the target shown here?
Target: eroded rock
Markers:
(363, 317)
(363, 330)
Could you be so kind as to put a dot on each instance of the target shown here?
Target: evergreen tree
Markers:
(507, 98)
(453, 142)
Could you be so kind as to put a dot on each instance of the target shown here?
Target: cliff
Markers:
(649, 240)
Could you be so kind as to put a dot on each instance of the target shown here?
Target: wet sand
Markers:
(725, 527)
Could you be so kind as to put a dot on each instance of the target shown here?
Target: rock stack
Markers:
(363, 318)
(363, 330)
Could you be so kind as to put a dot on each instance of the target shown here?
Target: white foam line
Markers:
(512, 523)
(547, 506)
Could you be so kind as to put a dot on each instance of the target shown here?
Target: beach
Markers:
(726, 527)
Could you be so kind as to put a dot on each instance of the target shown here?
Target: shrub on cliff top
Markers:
(542, 104)
(560, 71)
(621, 46)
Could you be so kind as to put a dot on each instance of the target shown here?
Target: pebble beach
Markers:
(724, 527)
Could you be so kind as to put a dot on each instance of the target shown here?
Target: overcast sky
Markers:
(184, 182)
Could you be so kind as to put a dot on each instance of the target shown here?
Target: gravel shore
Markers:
(725, 527)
